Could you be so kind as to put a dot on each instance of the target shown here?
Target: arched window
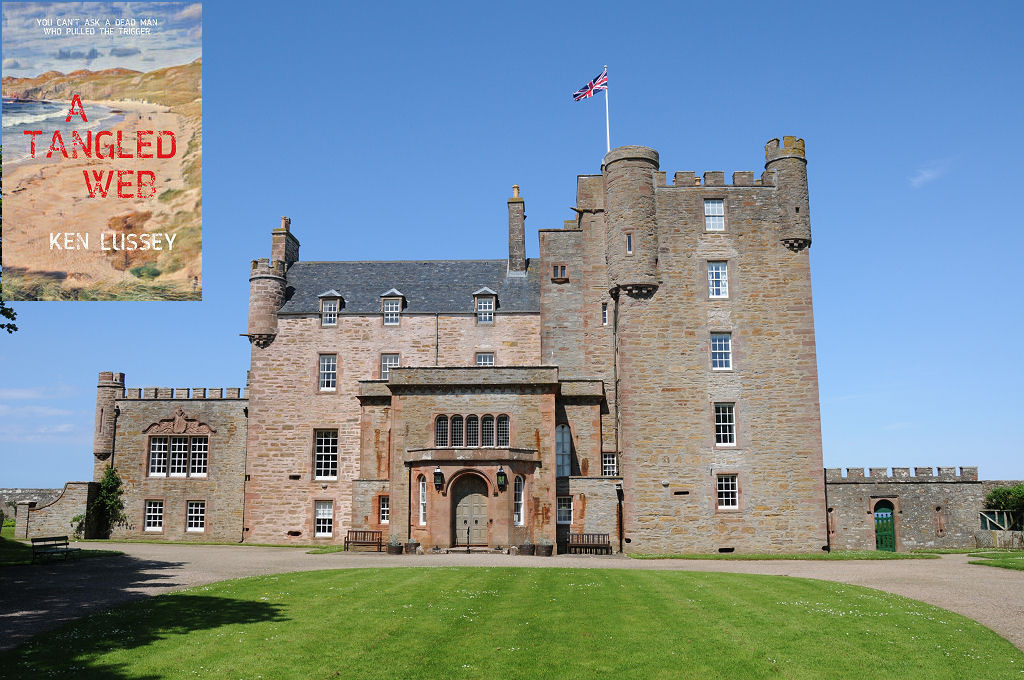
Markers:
(487, 431)
(423, 499)
(472, 431)
(456, 430)
(563, 451)
(441, 431)
(517, 502)
(502, 430)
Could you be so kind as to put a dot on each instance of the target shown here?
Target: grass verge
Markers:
(520, 623)
(834, 555)
(1005, 559)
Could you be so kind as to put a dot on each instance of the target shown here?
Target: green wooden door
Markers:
(470, 521)
(885, 528)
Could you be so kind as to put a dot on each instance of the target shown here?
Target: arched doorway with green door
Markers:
(885, 526)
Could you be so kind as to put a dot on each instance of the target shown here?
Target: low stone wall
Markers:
(54, 518)
(1013, 540)
(9, 498)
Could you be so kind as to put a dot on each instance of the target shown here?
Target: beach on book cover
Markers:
(102, 151)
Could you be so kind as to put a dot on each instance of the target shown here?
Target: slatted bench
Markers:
(52, 546)
(589, 542)
(364, 537)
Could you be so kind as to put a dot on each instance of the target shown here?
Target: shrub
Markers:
(1009, 498)
(107, 509)
(146, 271)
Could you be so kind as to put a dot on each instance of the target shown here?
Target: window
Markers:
(472, 431)
(329, 312)
(563, 451)
(517, 501)
(423, 500)
(385, 509)
(195, 516)
(485, 358)
(728, 492)
(487, 431)
(563, 510)
(158, 457)
(725, 424)
(154, 516)
(718, 279)
(502, 431)
(328, 372)
(714, 214)
(325, 455)
(609, 465)
(323, 526)
(200, 456)
(629, 244)
(441, 431)
(558, 272)
(721, 351)
(392, 308)
(179, 456)
(604, 313)
(485, 309)
(387, 362)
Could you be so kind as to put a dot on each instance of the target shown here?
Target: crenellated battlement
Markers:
(142, 393)
(714, 178)
(267, 267)
(900, 475)
(791, 147)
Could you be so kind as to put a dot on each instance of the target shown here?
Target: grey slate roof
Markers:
(429, 285)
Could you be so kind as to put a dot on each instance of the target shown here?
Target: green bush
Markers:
(146, 271)
(1009, 498)
(107, 510)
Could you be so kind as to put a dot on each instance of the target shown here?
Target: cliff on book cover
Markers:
(102, 151)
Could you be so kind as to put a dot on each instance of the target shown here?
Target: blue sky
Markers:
(396, 132)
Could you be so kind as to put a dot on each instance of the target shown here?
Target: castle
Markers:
(651, 376)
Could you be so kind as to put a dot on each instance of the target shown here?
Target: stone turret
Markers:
(789, 163)
(109, 388)
(267, 283)
(516, 234)
(630, 219)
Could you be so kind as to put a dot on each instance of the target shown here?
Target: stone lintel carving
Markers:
(179, 424)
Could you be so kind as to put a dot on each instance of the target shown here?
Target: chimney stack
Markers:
(516, 234)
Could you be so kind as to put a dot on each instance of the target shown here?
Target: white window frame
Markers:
(714, 214)
(391, 308)
(441, 439)
(473, 430)
(153, 519)
(725, 424)
(177, 465)
(485, 309)
(159, 451)
(456, 431)
(195, 516)
(325, 455)
(502, 430)
(563, 503)
(323, 519)
(609, 465)
(718, 279)
(485, 359)
(199, 459)
(328, 373)
(563, 451)
(329, 311)
(604, 313)
(721, 351)
(423, 500)
(518, 494)
(387, 362)
(487, 430)
(727, 492)
(384, 506)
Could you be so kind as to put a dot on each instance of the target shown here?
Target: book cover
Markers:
(102, 151)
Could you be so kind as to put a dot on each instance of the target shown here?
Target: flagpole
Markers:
(607, 127)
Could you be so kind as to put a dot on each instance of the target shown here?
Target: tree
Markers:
(5, 311)
(107, 509)
(1009, 498)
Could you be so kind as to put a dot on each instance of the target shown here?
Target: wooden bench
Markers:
(364, 537)
(587, 542)
(52, 546)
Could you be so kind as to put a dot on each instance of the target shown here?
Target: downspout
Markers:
(828, 534)
(408, 507)
(437, 336)
(245, 477)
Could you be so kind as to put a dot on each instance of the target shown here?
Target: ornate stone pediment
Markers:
(179, 424)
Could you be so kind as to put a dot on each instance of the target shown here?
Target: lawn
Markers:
(520, 623)
(834, 555)
(1007, 559)
(17, 552)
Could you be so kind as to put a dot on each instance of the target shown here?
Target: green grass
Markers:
(944, 551)
(1007, 559)
(834, 555)
(14, 552)
(520, 623)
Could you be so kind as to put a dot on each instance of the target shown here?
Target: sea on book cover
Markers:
(102, 151)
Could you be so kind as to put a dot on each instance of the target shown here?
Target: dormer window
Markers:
(391, 307)
(330, 303)
(485, 302)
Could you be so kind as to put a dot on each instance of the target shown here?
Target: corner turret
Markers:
(630, 219)
(789, 163)
(109, 388)
(267, 283)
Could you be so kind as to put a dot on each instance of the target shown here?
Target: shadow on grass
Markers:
(72, 651)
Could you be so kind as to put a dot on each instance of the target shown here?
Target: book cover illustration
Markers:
(102, 151)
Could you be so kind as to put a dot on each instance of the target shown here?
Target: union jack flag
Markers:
(588, 90)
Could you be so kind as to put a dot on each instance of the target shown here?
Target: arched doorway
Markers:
(885, 526)
(469, 520)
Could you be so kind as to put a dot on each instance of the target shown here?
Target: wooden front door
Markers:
(885, 527)
(470, 499)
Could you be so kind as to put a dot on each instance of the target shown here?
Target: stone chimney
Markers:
(516, 234)
(284, 247)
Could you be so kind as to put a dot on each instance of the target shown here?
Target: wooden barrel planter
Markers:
(527, 549)
(545, 550)
(394, 549)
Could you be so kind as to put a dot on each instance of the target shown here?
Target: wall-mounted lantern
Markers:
(438, 478)
(502, 479)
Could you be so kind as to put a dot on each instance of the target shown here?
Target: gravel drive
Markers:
(37, 598)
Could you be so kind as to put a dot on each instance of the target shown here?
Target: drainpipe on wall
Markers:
(828, 534)
(437, 336)
(408, 508)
